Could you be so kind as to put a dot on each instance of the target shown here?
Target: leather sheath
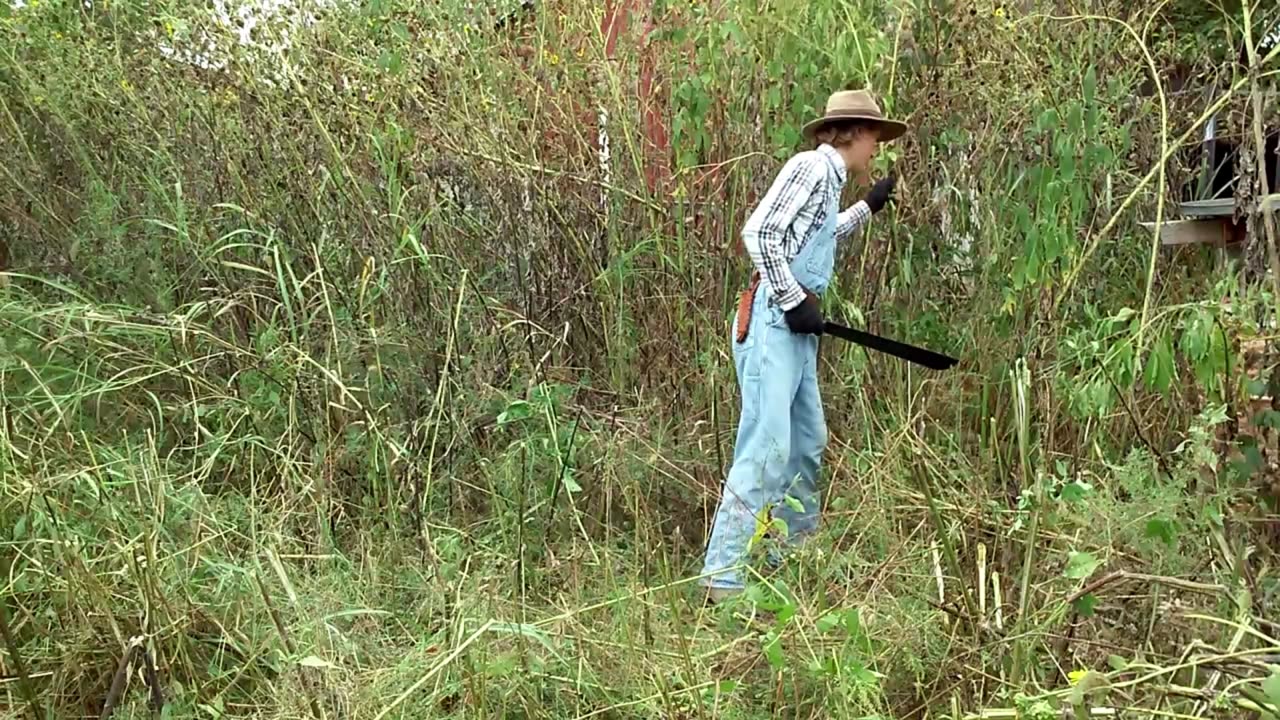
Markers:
(746, 301)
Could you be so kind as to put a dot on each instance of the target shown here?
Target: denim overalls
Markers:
(782, 432)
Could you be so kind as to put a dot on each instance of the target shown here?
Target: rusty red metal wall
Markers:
(619, 15)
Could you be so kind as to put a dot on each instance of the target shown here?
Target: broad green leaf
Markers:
(569, 484)
(1086, 604)
(1124, 315)
(724, 687)
(773, 651)
(505, 665)
(1267, 418)
(779, 526)
(793, 503)
(1195, 339)
(530, 631)
(390, 61)
(1117, 663)
(1076, 491)
(1075, 119)
(1271, 687)
(773, 98)
(1047, 119)
(863, 674)
(517, 410)
(1161, 529)
(1080, 565)
(829, 621)
(857, 633)
(1160, 369)
(766, 599)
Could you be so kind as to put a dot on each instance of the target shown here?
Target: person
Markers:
(791, 238)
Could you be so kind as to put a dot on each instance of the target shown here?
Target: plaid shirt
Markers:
(791, 213)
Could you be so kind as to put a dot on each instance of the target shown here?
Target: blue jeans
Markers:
(781, 437)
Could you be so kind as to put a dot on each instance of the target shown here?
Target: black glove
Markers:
(805, 318)
(881, 193)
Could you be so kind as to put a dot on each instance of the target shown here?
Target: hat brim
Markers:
(889, 129)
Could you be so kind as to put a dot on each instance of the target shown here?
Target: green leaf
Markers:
(1117, 663)
(517, 410)
(1271, 688)
(1267, 418)
(793, 503)
(733, 31)
(390, 61)
(773, 651)
(722, 688)
(1090, 85)
(765, 599)
(773, 98)
(779, 526)
(1159, 371)
(1086, 604)
(1075, 119)
(864, 675)
(830, 621)
(1080, 565)
(1195, 339)
(505, 665)
(857, 633)
(524, 629)
(1075, 491)
(1047, 119)
(1161, 529)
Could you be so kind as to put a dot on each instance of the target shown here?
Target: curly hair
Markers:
(839, 133)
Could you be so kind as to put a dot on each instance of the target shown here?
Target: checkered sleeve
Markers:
(765, 233)
(854, 217)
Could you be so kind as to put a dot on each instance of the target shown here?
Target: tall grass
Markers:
(375, 391)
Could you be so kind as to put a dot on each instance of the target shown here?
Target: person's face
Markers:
(859, 154)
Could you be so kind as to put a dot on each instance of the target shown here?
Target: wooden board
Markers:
(1223, 207)
(1194, 232)
(1219, 207)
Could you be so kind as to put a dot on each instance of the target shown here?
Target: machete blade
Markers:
(910, 353)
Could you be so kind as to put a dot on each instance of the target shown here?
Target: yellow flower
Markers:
(126, 85)
(1000, 13)
(57, 36)
(1075, 676)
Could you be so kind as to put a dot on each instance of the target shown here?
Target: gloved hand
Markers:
(805, 318)
(881, 193)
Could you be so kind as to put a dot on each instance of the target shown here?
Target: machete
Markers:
(910, 353)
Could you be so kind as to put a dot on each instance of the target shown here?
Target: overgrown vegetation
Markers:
(370, 361)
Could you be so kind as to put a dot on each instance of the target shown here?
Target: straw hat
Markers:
(857, 105)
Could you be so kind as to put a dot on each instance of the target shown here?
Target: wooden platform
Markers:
(1208, 222)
